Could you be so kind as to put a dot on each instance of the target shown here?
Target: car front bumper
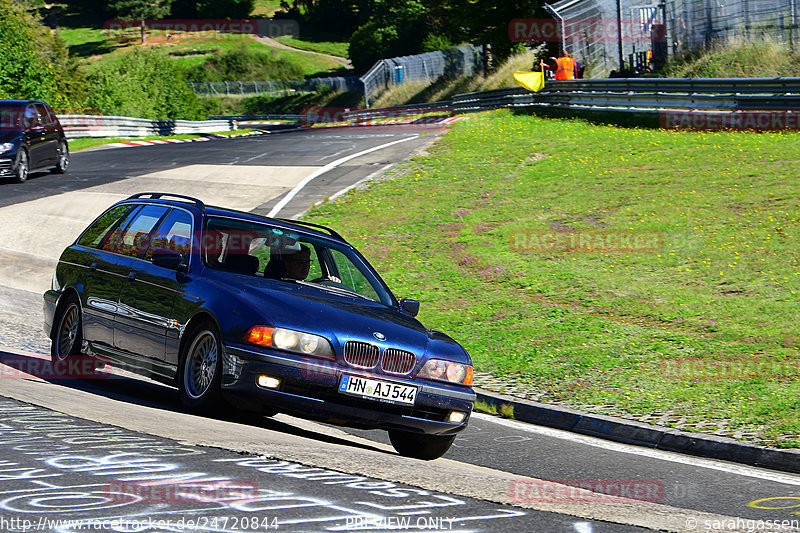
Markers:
(309, 388)
(6, 165)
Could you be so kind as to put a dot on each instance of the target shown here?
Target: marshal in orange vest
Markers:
(566, 68)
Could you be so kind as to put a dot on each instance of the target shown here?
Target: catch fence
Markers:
(653, 30)
(699, 22)
(276, 87)
(464, 60)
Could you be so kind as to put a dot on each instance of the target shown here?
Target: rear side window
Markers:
(135, 237)
(94, 236)
(31, 117)
(174, 233)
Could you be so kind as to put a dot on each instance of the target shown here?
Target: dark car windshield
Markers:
(11, 116)
(271, 252)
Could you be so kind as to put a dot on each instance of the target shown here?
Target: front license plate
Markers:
(375, 389)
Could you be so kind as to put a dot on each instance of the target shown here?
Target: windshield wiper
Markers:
(335, 289)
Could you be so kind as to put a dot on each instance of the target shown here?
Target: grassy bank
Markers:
(700, 324)
(323, 47)
(761, 58)
(187, 50)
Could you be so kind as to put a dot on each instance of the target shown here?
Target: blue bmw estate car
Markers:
(260, 313)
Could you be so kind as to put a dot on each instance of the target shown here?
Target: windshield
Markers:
(270, 252)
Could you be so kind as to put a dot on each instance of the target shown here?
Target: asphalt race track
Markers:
(101, 449)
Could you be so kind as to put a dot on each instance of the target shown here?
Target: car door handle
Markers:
(132, 276)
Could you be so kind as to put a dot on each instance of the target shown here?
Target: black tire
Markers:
(22, 167)
(200, 370)
(62, 158)
(67, 332)
(418, 446)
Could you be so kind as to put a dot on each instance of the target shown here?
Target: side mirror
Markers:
(167, 258)
(409, 307)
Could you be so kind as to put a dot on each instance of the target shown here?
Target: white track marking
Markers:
(711, 464)
(330, 166)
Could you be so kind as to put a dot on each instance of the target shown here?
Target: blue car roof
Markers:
(295, 225)
(20, 102)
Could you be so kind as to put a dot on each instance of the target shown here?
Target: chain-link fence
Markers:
(276, 87)
(634, 35)
(607, 36)
(464, 60)
(694, 23)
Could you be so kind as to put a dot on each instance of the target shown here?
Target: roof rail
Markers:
(159, 195)
(331, 232)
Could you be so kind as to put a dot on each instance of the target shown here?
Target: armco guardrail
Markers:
(645, 95)
(276, 87)
(241, 118)
(399, 111)
(102, 126)
(712, 97)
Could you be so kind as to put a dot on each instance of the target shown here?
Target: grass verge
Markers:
(736, 59)
(337, 49)
(700, 325)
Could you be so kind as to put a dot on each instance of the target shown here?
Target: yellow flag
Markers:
(533, 81)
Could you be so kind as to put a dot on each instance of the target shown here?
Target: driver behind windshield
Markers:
(289, 264)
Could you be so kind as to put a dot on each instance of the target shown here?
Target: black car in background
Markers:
(31, 138)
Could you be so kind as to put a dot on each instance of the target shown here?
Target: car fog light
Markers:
(268, 382)
(456, 417)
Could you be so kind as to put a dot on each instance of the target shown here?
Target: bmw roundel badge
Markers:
(380, 336)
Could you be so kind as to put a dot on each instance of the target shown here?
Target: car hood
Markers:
(342, 318)
(10, 136)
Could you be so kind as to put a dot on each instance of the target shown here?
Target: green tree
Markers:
(143, 83)
(396, 28)
(141, 10)
(244, 64)
(34, 64)
(486, 22)
(212, 9)
(331, 17)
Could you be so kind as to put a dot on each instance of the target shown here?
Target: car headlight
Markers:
(290, 340)
(6, 147)
(446, 371)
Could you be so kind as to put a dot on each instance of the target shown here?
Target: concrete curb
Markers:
(640, 434)
(154, 142)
